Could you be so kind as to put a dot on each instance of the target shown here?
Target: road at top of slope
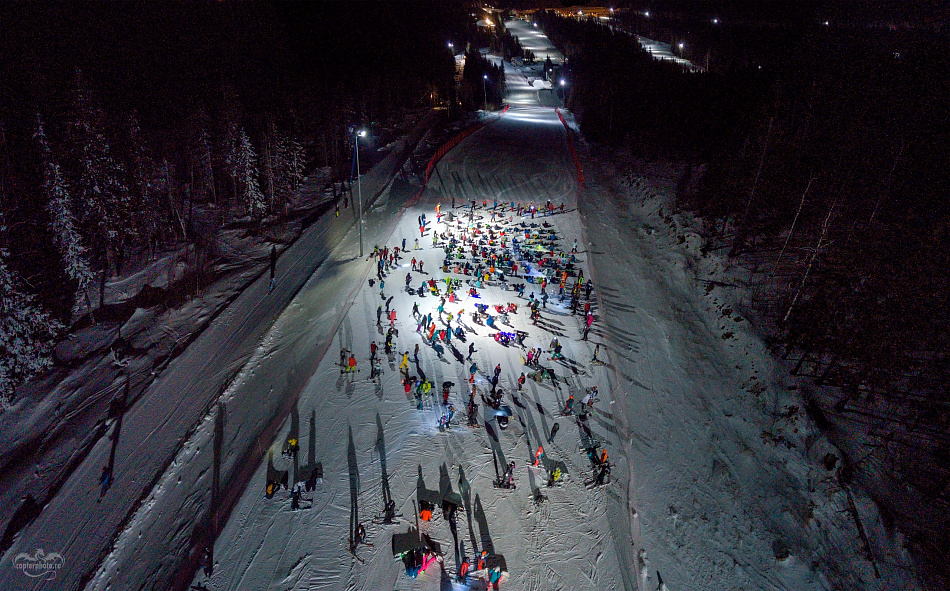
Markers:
(721, 503)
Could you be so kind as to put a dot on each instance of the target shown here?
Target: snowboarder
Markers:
(521, 381)
(352, 364)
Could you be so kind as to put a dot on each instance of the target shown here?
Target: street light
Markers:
(451, 45)
(484, 92)
(359, 187)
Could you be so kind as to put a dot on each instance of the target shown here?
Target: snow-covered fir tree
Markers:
(100, 191)
(203, 167)
(27, 332)
(249, 189)
(142, 188)
(292, 159)
(62, 222)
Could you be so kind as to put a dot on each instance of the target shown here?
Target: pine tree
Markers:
(249, 190)
(232, 147)
(27, 332)
(103, 197)
(143, 189)
(289, 165)
(62, 223)
(203, 167)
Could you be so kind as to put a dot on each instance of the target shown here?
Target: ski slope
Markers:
(698, 493)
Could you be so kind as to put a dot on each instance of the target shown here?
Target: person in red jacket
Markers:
(463, 571)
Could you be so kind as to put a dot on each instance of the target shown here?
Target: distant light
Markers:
(563, 83)
(681, 45)
(451, 45)
(611, 10)
(826, 23)
(647, 14)
(535, 24)
(715, 21)
(485, 76)
(362, 133)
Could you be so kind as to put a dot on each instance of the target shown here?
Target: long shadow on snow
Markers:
(354, 487)
(381, 451)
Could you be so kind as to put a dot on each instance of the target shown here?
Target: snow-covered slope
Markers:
(729, 476)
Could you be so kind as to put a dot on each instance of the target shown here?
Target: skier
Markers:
(510, 475)
(521, 380)
(379, 315)
(538, 455)
(352, 364)
(569, 407)
(295, 498)
(554, 429)
(405, 362)
(596, 351)
(463, 571)
(273, 268)
(602, 473)
(494, 577)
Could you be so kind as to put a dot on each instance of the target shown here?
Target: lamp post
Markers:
(484, 92)
(359, 187)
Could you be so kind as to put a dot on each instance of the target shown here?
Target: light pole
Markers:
(484, 92)
(359, 187)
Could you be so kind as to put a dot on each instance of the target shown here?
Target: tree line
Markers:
(825, 173)
(142, 128)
